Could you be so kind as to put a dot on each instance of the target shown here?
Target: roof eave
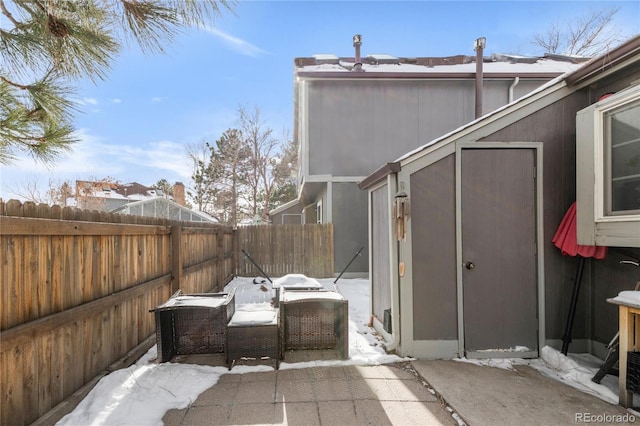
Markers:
(604, 62)
(379, 175)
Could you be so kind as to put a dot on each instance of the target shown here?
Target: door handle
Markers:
(469, 265)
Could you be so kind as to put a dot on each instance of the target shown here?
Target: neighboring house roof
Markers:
(161, 207)
(571, 81)
(284, 207)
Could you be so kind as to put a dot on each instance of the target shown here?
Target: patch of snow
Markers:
(628, 298)
(289, 296)
(209, 302)
(253, 317)
(575, 370)
(296, 280)
(141, 394)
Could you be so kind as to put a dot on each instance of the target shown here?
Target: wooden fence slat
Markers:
(44, 374)
(36, 226)
(283, 249)
(29, 331)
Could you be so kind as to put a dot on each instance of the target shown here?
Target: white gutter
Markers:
(513, 86)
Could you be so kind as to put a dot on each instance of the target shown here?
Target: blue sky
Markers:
(134, 125)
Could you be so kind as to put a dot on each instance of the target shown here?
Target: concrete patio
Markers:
(341, 395)
(421, 392)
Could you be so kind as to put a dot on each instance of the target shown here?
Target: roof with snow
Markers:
(626, 53)
(383, 65)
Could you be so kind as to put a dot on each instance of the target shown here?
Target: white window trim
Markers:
(595, 227)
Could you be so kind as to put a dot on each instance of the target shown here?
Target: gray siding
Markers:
(350, 226)
(555, 127)
(290, 216)
(380, 273)
(433, 246)
(358, 125)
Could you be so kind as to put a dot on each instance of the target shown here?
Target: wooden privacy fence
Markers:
(286, 249)
(76, 288)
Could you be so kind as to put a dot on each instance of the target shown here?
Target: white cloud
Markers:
(86, 101)
(116, 101)
(236, 44)
(94, 158)
(158, 99)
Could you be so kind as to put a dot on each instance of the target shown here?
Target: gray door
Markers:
(499, 262)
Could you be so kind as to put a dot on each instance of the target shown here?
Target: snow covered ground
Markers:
(141, 394)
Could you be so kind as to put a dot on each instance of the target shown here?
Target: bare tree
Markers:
(229, 174)
(262, 145)
(284, 173)
(60, 193)
(199, 155)
(588, 35)
(56, 193)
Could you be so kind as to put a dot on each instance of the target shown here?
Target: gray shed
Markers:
(461, 258)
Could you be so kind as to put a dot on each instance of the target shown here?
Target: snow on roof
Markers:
(496, 63)
(541, 66)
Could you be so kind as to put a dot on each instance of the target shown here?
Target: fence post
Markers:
(220, 259)
(235, 249)
(176, 258)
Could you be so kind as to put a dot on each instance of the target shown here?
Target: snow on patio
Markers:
(144, 392)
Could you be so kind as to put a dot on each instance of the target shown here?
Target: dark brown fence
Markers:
(75, 292)
(286, 249)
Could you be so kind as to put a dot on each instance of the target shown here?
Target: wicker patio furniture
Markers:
(313, 317)
(193, 324)
(253, 334)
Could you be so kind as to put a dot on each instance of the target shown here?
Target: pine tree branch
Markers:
(8, 14)
(14, 84)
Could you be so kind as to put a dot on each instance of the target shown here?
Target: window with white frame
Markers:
(319, 212)
(622, 159)
(608, 171)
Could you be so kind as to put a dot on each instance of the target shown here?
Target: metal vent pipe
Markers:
(357, 42)
(478, 46)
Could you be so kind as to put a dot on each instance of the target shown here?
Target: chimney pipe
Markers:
(357, 42)
(478, 46)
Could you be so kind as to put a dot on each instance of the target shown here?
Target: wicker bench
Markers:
(253, 335)
(314, 319)
(193, 324)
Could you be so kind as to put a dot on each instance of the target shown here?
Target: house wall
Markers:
(434, 251)
(380, 264)
(596, 320)
(349, 217)
(290, 216)
(358, 125)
